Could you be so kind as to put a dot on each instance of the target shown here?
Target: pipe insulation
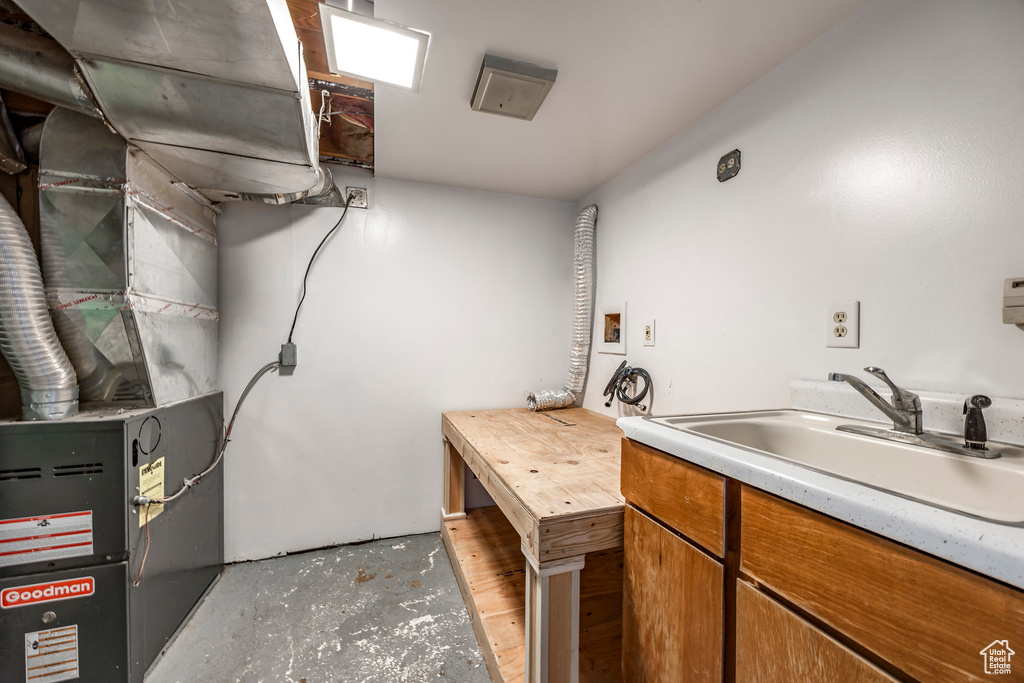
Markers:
(40, 67)
(582, 318)
(49, 387)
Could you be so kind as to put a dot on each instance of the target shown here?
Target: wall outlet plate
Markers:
(843, 329)
(358, 197)
(729, 166)
(649, 333)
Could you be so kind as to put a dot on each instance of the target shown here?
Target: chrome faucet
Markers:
(905, 411)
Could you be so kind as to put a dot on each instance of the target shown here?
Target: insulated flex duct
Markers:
(582, 318)
(49, 387)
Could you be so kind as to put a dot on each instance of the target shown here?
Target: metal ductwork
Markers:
(49, 388)
(130, 265)
(216, 93)
(582, 318)
(40, 67)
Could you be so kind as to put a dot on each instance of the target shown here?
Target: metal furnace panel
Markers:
(84, 632)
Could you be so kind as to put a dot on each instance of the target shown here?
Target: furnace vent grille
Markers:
(75, 470)
(25, 473)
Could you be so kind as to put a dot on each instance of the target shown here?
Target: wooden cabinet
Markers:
(672, 611)
(924, 616)
(685, 497)
(794, 595)
(774, 644)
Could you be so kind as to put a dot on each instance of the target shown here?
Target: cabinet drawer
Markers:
(686, 497)
(924, 616)
(774, 644)
(672, 607)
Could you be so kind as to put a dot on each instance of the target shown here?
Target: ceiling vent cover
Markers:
(508, 87)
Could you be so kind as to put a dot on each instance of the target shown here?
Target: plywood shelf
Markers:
(555, 475)
(485, 551)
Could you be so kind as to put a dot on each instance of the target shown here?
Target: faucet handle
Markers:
(901, 398)
(975, 432)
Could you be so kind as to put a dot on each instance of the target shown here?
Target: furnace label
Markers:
(51, 656)
(151, 485)
(45, 538)
(47, 592)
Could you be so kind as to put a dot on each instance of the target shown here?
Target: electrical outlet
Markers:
(649, 333)
(844, 325)
(729, 166)
(357, 197)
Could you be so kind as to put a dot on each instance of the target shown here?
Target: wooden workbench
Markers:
(554, 476)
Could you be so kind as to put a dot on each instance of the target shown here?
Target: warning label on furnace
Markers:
(45, 538)
(151, 485)
(51, 656)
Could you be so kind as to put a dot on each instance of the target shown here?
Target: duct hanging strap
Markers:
(582, 318)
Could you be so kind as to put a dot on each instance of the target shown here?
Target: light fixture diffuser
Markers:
(373, 50)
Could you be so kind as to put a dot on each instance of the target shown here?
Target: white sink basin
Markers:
(990, 489)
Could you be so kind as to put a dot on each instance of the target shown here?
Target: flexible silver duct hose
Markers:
(582, 318)
(49, 388)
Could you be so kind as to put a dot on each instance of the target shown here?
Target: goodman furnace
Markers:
(85, 595)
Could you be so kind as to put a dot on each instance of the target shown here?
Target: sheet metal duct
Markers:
(39, 67)
(130, 266)
(215, 92)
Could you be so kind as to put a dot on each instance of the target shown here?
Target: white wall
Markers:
(883, 164)
(435, 299)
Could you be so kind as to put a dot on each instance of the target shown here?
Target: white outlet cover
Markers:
(648, 340)
(843, 329)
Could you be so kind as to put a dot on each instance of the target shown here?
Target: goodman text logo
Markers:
(47, 592)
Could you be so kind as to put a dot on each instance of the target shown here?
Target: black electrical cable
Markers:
(309, 266)
(189, 483)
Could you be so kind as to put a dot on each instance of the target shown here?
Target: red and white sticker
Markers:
(45, 538)
(47, 592)
(51, 656)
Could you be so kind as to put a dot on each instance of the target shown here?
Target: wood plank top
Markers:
(554, 474)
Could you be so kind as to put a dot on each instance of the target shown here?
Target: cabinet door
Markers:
(774, 644)
(672, 607)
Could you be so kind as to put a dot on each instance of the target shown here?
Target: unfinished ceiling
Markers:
(346, 129)
(630, 76)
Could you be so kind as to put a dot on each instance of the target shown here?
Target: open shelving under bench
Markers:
(541, 570)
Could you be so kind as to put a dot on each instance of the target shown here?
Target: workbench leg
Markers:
(454, 504)
(553, 622)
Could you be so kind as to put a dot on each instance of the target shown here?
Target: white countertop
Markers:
(995, 550)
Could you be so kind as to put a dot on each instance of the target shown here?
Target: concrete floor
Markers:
(388, 611)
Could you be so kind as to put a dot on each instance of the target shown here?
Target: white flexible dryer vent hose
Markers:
(582, 318)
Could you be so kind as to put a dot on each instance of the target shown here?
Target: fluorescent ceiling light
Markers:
(373, 50)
